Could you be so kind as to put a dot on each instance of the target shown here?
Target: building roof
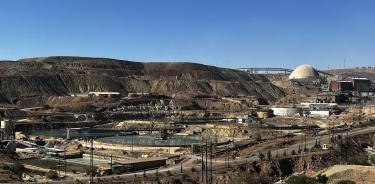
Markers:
(304, 72)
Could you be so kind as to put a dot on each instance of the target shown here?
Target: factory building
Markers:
(286, 111)
(341, 86)
(361, 84)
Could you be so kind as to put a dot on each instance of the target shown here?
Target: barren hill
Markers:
(367, 72)
(27, 80)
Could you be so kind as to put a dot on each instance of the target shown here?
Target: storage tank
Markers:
(286, 111)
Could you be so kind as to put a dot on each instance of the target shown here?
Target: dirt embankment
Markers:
(27, 81)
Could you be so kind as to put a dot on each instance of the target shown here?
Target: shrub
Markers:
(358, 159)
(258, 138)
(169, 173)
(322, 178)
(346, 182)
(269, 155)
(299, 179)
(249, 178)
(18, 168)
(51, 174)
(261, 156)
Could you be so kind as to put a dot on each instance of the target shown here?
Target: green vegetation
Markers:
(258, 137)
(250, 178)
(372, 159)
(303, 179)
(18, 168)
(359, 159)
(51, 174)
(346, 182)
(261, 156)
(269, 155)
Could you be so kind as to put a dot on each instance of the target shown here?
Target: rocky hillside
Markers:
(30, 79)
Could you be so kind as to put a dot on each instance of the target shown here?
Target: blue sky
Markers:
(226, 33)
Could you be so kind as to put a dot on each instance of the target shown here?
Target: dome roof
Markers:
(304, 72)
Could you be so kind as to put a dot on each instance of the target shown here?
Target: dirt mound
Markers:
(25, 81)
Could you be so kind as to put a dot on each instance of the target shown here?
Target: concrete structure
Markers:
(266, 70)
(79, 95)
(320, 113)
(286, 111)
(304, 72)
(318, 105)
(105, 94)
(124, 166)
(331, 98)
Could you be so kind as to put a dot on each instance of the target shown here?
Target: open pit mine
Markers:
(97, 120)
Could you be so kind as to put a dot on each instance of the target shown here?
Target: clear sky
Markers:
(226, 33)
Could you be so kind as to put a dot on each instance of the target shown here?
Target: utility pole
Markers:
(206, 162)
(202, 149)
(329, 131)
(211, 178)
(92, 161)
(111, 162)
(64, 162)
(234, 144)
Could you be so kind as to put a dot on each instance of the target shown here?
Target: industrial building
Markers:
(361, 84)
(341, 86)
(286, 111)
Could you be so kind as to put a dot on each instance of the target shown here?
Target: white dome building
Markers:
(304, 72)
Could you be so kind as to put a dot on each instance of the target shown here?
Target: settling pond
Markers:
(80, 133)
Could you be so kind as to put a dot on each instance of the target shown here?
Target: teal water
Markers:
(82, 133)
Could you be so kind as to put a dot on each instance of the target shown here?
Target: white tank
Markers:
(285, 111)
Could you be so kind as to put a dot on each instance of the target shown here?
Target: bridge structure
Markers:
(266, 70)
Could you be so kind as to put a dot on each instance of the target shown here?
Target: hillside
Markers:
(356, 72)
(27, 80)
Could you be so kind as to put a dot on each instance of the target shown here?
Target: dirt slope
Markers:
(27, 80)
